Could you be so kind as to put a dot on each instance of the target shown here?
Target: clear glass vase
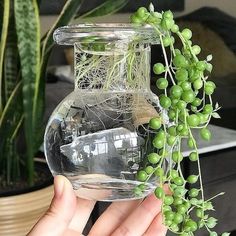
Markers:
(98, 136)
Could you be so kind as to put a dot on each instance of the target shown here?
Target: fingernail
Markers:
(58, 186)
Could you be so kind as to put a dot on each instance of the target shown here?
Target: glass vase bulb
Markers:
(98, 136)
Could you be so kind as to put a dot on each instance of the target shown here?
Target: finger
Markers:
(115, 215)
(157, 227)
(139, 220)
(57, 218)
(81, 215)
(71, 232)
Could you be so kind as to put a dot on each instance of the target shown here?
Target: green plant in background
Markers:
(23, 61)
(187, 99)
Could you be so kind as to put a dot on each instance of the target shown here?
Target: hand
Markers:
(68, 215)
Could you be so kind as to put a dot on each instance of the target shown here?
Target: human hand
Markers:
(68, 215)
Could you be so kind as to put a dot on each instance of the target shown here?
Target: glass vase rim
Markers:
(105, 32)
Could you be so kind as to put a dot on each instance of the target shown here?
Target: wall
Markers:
(228, 6)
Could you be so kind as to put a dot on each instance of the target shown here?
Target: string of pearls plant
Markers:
(187, 98)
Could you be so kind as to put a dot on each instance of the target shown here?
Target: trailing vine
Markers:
(187, 98)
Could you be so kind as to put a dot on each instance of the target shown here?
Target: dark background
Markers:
(54, 6)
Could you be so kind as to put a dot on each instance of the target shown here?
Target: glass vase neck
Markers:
(116, 66)
(109, 57)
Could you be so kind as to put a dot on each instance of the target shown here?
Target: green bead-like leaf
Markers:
(213, 233)
(216, 115)
(225, 234)
(208, 206)
(11, 59)
(211, 222)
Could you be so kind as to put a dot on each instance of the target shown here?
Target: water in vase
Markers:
(98, 135)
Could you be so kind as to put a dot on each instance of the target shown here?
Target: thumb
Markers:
(61, 211)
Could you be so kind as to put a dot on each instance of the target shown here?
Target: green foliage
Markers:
(68, 12)
(5, 22)
(10, 121)
(23, 63)
(28, 42)
(1, 16)
(6, 123)
(106, 8)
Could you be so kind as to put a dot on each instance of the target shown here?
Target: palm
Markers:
(68, 215)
